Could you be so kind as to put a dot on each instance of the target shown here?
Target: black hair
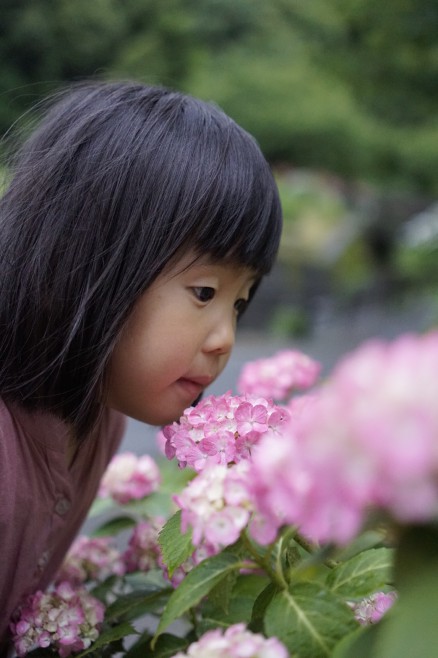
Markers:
(116, 181)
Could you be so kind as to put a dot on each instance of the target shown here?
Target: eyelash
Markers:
(199, 292)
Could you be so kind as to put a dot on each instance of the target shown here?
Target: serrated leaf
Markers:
(107, 637)
(197, 584)
(114, 526)
(176, 547)
(363, 574)
(308, 619)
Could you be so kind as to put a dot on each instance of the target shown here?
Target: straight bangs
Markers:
(221, 197)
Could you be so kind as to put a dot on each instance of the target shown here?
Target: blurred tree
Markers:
(44, 43)
(346, 85)
(386, 51)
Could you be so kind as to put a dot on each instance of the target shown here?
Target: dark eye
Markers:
(240, 306)
(204, 293)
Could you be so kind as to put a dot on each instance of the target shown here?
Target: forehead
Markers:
(191, 261)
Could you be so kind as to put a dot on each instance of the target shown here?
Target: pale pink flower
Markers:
(129, 477)
(66, 619)
(235, 642)
(216, 505)
(143, 551)
(371, 609)
(221, 430)
(91, 559)
(278, 376)
(366, 438)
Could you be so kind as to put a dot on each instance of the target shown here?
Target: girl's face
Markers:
(178, 339)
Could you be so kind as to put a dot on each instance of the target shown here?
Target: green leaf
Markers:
(135, 603)
(308, 619)
(220, 595)
(176, 547)
(99, 506)
(360, 643)
(166, 646)
(102, 589)
(363, 574)
(410, 627)
(158, 503)
(107, 637)
(197, 584)
(114, 526)
(240, 604)
(259, 608)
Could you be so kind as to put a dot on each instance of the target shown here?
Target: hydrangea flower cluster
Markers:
(235, 642)
(221, 430)
(216, 505)
(143, 550)
(67, 619)
(367, 438)
(371, 610)
(278, 376)
(129, 477)
(91, 559)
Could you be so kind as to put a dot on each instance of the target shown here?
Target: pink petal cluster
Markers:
(67, 620)
(235, 642)
(371, 610)
(91, 559)
(221, 430)
(367, 438)
(129, 477)
(278, 376)
(216, 505)
(143, 550)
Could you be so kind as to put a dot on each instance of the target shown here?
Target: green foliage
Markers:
(364, 573)
(197, 584)
(176, 547)
(308, 619)
(341, 85)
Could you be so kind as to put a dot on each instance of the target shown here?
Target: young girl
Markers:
(136, 227)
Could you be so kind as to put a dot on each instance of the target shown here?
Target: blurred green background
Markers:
(342, 96)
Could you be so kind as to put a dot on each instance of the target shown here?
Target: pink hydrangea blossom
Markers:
(221, 430)
(91, 559)
(129, 477)
(66, 619)
(216, 505)
(278, 376)
(366, 438)
(143, 550)
(371, 610)
(235, 642)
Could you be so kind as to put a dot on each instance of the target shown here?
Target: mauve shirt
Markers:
(43, 501)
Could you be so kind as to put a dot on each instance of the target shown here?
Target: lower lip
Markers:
(191, 388)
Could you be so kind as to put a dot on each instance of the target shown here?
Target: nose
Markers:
(221, 338)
